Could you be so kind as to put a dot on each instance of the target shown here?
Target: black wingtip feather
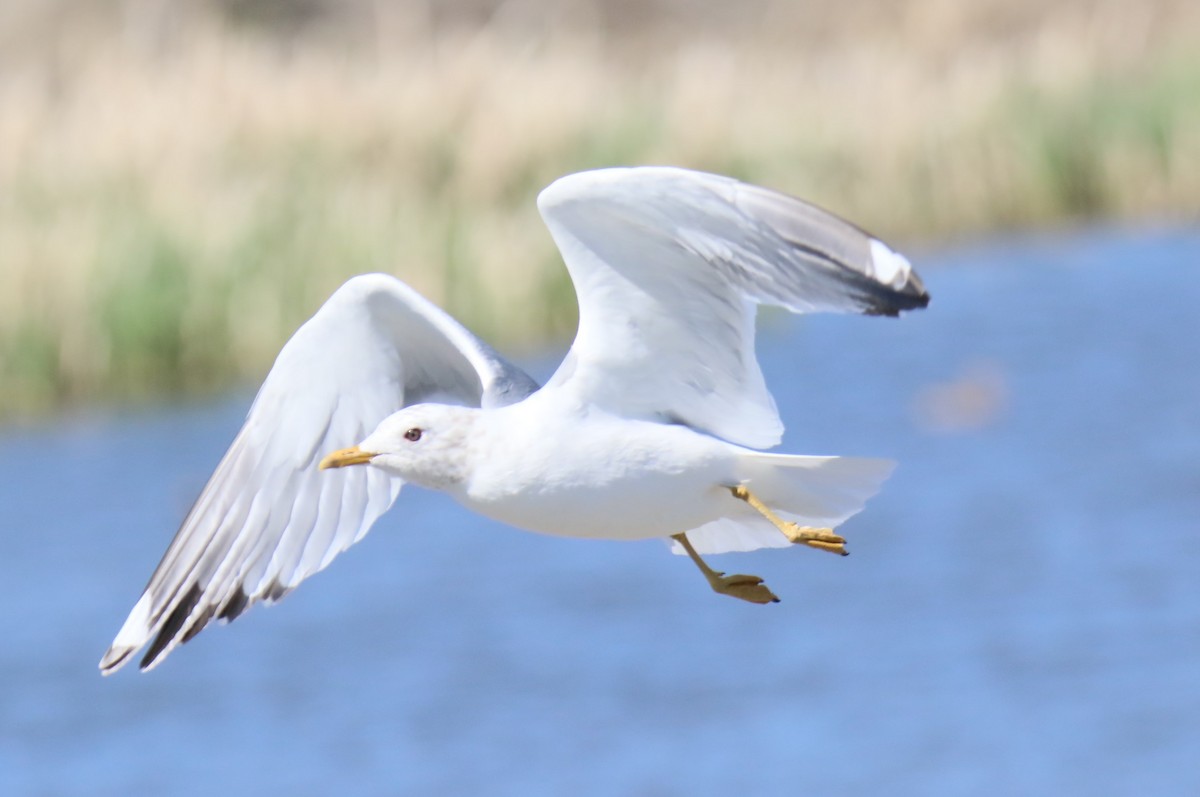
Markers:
(172, 626)
(880, 299)
(897, 302)
(873, 297)
(113, 659)
(234, 607)
(198, 624)
(275, 591)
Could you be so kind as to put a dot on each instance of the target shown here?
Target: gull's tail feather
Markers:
(810, 491)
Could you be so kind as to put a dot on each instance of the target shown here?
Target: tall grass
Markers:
(174, 203)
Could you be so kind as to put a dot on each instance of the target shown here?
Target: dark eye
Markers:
(413, 434)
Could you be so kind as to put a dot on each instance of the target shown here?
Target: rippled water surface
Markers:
(1021, 614)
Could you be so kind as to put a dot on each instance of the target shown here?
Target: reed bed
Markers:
(177, 196)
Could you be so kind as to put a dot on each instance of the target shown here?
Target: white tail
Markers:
(812, 491)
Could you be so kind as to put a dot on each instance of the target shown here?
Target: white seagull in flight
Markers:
(649, 427)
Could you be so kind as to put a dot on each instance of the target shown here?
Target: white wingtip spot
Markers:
(890, 268)
(136, 629)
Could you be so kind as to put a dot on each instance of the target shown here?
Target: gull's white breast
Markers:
(548, 467)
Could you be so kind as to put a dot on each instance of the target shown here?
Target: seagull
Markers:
(654, 425)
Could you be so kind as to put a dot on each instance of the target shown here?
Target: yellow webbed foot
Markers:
(820, 538)
(741, 586)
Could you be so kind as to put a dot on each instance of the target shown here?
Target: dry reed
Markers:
(177, 197)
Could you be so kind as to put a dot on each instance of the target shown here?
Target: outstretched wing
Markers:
(669, 266)
(268, 518)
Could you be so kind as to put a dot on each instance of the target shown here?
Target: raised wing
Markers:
(669, 265)
(268, 518)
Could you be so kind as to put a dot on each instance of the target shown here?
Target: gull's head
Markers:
(426, 444)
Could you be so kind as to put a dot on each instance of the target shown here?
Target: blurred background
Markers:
(183, 183)
(185, 180)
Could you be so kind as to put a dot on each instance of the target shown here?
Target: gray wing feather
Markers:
(669, 266)
(268, 518)
(820, 262)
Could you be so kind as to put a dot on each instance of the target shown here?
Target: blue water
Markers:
(1021, 614)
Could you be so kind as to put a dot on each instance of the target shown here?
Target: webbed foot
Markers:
(741, 586)
(820, 538)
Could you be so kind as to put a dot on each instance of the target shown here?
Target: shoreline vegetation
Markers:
(181, 185)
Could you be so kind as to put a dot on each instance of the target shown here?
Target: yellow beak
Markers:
(347, 456)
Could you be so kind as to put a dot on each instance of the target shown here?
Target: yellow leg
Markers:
(748, 588)
(823, 539)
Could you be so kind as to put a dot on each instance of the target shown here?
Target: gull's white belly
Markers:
(608, 477)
